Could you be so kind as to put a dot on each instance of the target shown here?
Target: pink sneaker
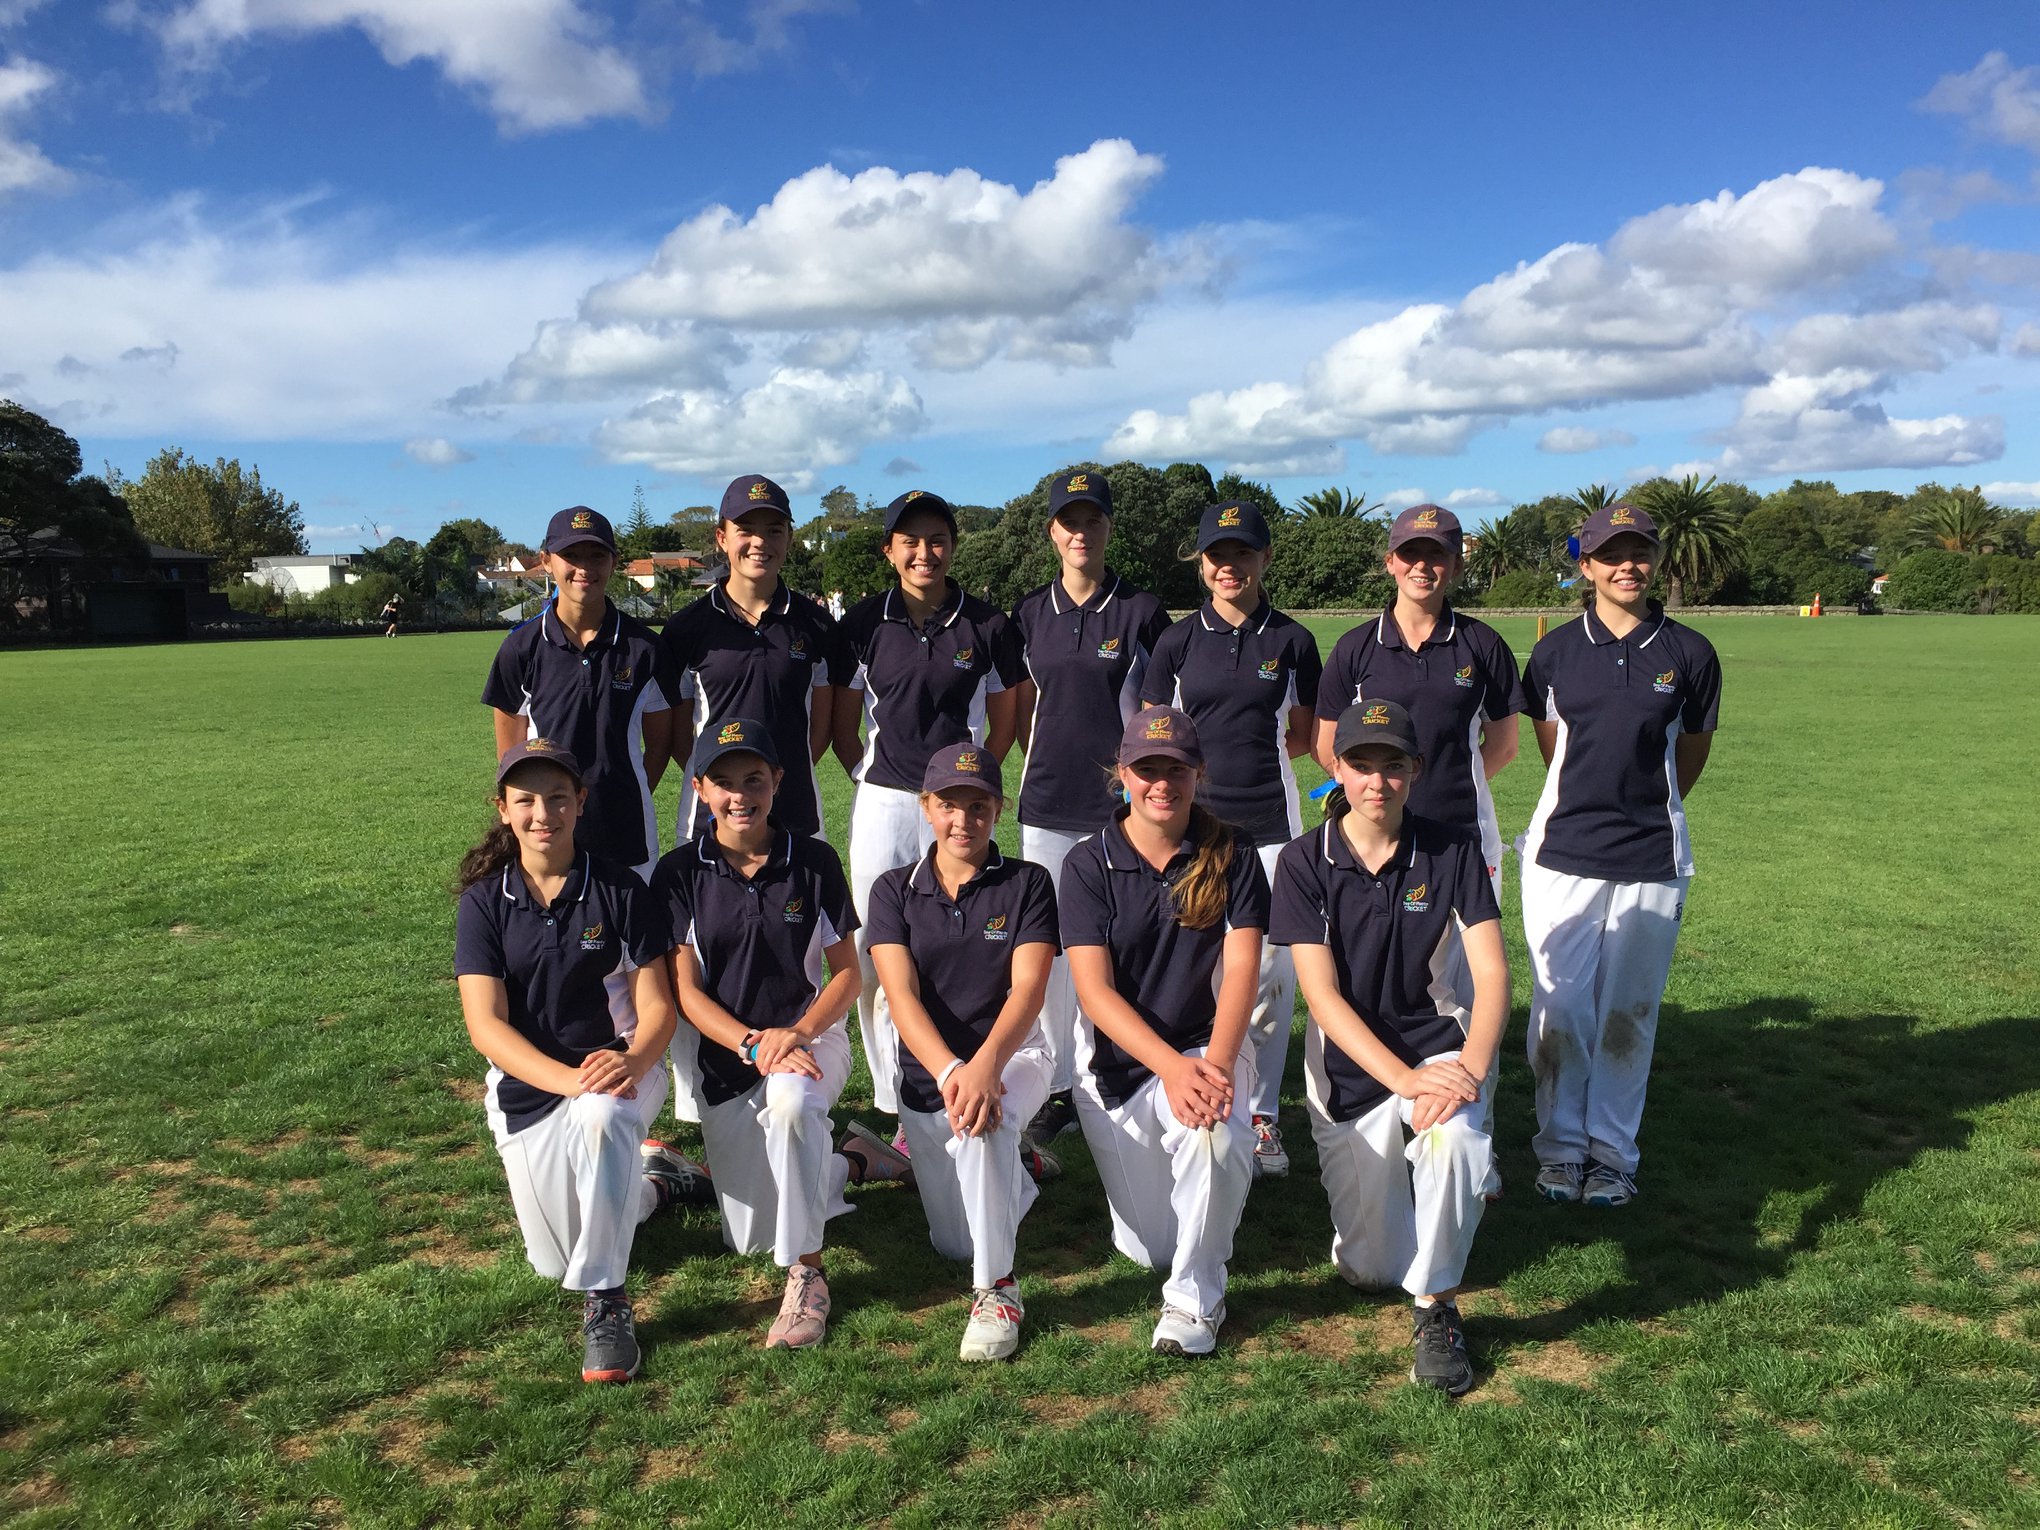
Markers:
(803, 1318)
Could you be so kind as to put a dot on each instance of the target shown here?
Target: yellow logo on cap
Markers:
(1161, 729)
(1079, 482)
(732, 733)
(1229, 516)
(967, 760)
(539, 746)
(761, 490)
(1376, 714)
(582, 520)
(1620, 516)
(1426, 520)
(913, 493)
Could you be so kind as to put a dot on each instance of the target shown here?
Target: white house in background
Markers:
(305, 574)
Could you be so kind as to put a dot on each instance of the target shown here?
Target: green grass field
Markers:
(257, 1264)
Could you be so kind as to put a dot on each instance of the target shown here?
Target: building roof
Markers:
(158, 553)
(307, 560)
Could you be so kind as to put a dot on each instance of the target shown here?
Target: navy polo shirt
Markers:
(1392, 936)
(1111, 897)
(759, 939)
(728, 668)
(962, 949)
(1087, 663)
(565, 965)
(592, 702)
(1461, 677)
(1238, 684)
(924, 687)
(1611, 807)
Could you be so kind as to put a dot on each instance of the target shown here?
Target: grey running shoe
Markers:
(1041, 1167)
(681, 1181)
(1441, 1350)
(1609, 1187)
(609, 1346)
(1560, 1182)
(871, 1157)
(1271, 1159)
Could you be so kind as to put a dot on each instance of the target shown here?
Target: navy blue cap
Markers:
(963, 765)
(1163, 731)
(732, 735)
(1234, 521)
(577, 523)
(1612, 521)
(754, 491)
(541, 749)
(918, 499)
(1427, 523)
(1086, 488)
(1375, 722)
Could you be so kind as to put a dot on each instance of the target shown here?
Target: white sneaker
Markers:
(1609, 1186)
(1560, 1182)
(993, 1332)
(1271, 1159)
(1185, 1333)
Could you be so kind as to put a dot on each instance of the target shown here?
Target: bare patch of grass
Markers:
(666, 1463)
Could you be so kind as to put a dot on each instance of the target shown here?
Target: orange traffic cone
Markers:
(1816, 602)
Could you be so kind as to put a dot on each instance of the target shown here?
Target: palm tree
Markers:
(1595, 496)
(1342, 504)
(1961, 520)
(1515, 541)
(1698, 535)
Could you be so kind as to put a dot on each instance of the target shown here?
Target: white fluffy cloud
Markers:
(1568, 440)
(2026, 342)
(2013, 493)
(1681, 301)
(797, 415)
(536, 63)
(1474, 499)
(1995, 99)
(436, 452)
(22, 165)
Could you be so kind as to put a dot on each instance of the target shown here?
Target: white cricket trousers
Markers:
(1403, 1214)
(1048, 849)
(1599, 956)
(776, 1171)
(578, 1183)
(887, 829)
(975, 1189)
(1274, 1015)
(1175, 1192)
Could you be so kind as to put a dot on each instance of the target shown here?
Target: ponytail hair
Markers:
(497, 850)
(1200, 892)
(1335, 802)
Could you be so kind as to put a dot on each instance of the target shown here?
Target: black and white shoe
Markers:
(1057, 1116)
(1441, 1360)
(609, 1346)
(681, 1181)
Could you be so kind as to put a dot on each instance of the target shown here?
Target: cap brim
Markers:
(581, 540)
(948, 780)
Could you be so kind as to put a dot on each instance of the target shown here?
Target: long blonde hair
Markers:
(1200, 892)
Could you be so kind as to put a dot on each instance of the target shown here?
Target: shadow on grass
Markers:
(1766, 1121)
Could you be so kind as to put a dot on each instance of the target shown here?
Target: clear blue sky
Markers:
(416, 269)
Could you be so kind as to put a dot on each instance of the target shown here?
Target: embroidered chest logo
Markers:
(1109, 649)
(1463, 678)
(591, 937)
(1270, 670)
(964, 657)
(1666, 683)
(995, 928)
(622, 677)
(795, 911)
(1414, 900)
(796, 648)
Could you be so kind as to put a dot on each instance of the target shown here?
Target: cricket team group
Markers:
(1132, 973)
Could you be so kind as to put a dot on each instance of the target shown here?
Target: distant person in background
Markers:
(593, 680)
(962, 940)
(1372, 905)
(756, 912)
(752, 647)
(927, 665)
(1248, 677)
(1087, 637)
(1458, 681)
(560, 960)
(392, 609)
(1162, 915)
(1624, 701)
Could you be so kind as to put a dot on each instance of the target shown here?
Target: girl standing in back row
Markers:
(1088, 636)
(1248, 676)
(1624, 702)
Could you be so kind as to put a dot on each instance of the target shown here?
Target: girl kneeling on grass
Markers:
(563, 986)
(1377, 907)
(963, 940)
(1162, 912)
(755, 912)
